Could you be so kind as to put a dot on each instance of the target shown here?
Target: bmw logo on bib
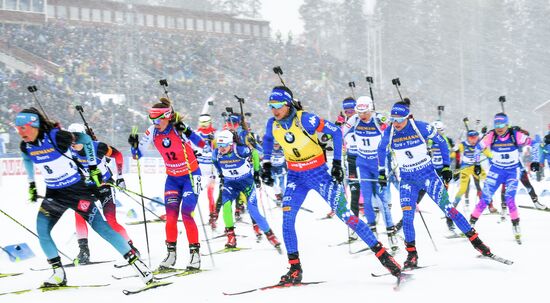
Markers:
(289, 137)
(166, 142)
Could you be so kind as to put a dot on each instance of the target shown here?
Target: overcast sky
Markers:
(283, 16)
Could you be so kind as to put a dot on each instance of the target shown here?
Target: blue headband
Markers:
(400, 110)
(349, 104)
(23, 119)
(280, 95)
(472, 133)
(500, 121)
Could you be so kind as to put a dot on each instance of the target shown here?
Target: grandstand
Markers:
(108, 57)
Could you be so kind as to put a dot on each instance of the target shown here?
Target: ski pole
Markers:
(427, 229)
(133, 192)
(20, 224)
(133, 199)
(134, 132)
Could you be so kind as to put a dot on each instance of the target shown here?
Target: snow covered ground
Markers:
(458, 276)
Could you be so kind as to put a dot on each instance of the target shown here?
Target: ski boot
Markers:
(399, 225)
(257, 232)
(386, 259)
(171, 257)
(213, 219)
(84, 254)
(412, 256)
(136, 251)
(238, 217)
(279, 200)
(373, 229)
(451, 225)
(538, 205)
(195, 257)
(477, 243)
(473, 221)
(352, 236)
(141, 269)
(492, 208)
(516, 229)
(58, 277)
(294, 274)
(392, 239)
(231, 239)
(273, 240)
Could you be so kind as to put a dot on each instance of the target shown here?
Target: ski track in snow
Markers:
(458, 277)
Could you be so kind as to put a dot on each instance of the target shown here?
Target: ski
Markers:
(74, 265)
(10, 274)
(121, 265)
(152, 285)
(183, 273)
(52, 288)
(404, 270)
(148, 221)
(155, 273)
(360, 251)
(275, 286)
(497, 258)
(349, 241)
(224, 235)
(226, 250)
(455, 236)
(534, 208)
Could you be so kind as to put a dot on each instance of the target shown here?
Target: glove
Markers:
(257, 179)
(266, 174)
(382, 179)
(336, 171)
(535, 166)
(477, 169)
(220, 176)
(136, 153)
(446, 174)
(456, 176)
(33, 194)
(95, 175)
(133, 140)
(250, 140)
(457, 165)
(120, 183)
(206, 149)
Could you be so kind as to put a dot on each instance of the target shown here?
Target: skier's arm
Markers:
(429, 133)
(88, 144)
(267, 142)
(313, 123)
(27, 162)
(383, 149)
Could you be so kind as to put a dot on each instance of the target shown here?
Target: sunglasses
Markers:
(276, 105)
(397, 119)
(349, 111)
(223, 144)
(500, 125)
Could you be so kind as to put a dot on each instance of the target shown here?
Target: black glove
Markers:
(120, 183)
(456, 176)
(336, 171)
(457, 165)
(477, 169)
(95, 175)
(133, 140)
(257, 180)
(535, 166)
(266, 174)
(33, 193)
(382, 179)
(446, 174)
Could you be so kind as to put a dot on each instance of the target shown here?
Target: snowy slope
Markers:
(457, 277)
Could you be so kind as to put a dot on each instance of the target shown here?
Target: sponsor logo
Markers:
(289, 137)
(166, 142)
(286, 208)
(312, 120)
(404, 208)
(83, 205)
